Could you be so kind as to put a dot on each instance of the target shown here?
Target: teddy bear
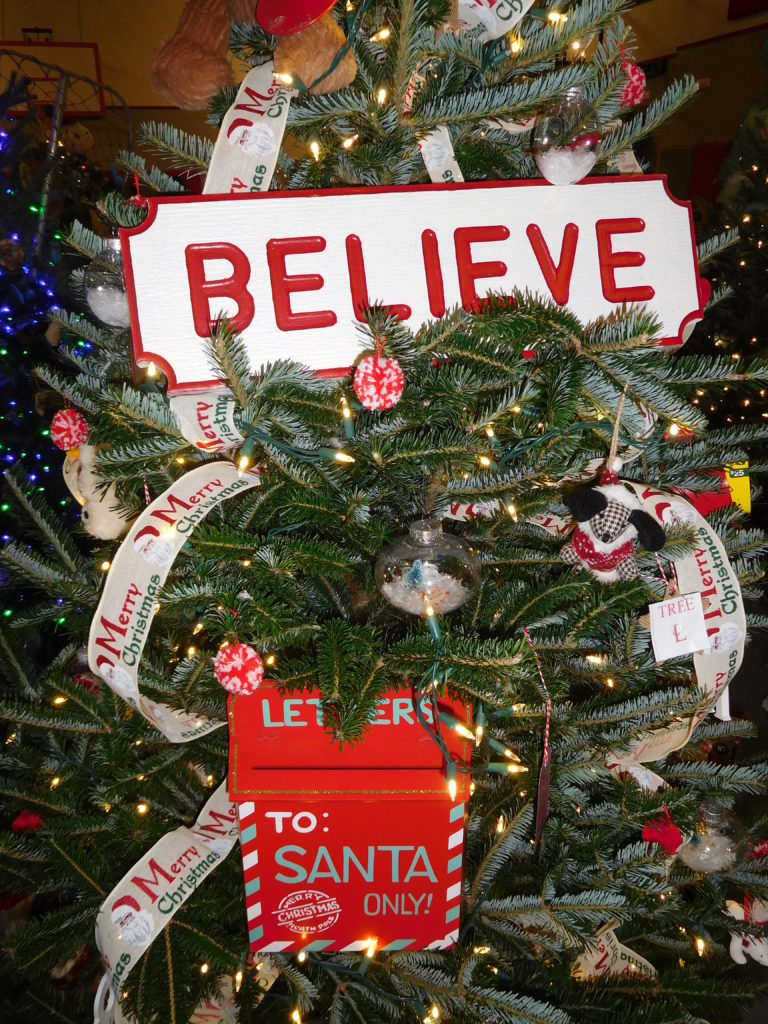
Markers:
(191, 66)
(100, 516)
(609, 519)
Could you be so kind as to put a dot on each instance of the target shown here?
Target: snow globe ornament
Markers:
(719, 843)
(104, 285)
(427, 571)
(565, 138)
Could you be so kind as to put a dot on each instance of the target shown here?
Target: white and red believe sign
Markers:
(295, 270)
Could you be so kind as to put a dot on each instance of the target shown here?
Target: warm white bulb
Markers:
(381, 95)
(315, 148)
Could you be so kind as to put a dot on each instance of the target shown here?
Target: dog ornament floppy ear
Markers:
(609, 522)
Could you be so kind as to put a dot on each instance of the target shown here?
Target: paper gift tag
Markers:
(678, 627)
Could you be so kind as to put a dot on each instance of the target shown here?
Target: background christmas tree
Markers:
(737, 325)
(289, 570)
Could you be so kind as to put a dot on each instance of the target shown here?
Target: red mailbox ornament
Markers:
(345, 849)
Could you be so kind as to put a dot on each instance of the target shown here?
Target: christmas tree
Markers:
(736, 325)
(391, 554)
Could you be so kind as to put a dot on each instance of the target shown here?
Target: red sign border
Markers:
(138, 351)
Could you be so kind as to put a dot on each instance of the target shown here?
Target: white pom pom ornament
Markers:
(239, 669)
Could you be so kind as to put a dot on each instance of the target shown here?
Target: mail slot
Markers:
(347, 848)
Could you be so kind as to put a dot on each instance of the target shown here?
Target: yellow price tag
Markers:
(737, 475)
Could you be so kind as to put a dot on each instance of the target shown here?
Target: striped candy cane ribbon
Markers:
(542, 795)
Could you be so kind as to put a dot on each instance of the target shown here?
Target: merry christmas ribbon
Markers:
(207, 420)
(249, 140)
(148, 896)
(708, 571)
(244, 160)
(609, 956)
(494, 17)
(121, 625)
(439, 158)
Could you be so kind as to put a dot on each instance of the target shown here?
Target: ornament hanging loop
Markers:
(610, 468)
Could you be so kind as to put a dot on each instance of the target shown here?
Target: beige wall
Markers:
(664, 25)
(738, 77)
(127, 32)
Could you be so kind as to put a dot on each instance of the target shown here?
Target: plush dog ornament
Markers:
(100, 516)
(745, 946)
(191, 66)
(609, 520)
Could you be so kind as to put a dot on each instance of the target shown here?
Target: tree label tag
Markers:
(678, 627)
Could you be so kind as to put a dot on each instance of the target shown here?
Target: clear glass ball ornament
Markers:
(427, 569)
(565, 138)
(104, 285)
(719, 843)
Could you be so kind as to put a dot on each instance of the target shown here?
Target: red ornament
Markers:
(69, 429)
(378, 383)
(27, 821)
(634, 89)
(239, 669)
(283, 19)
(758, 850)
(89, 682)
(664, 832)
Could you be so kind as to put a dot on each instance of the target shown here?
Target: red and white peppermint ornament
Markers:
(239, 669)
(634, 90)
(69, 429)
(378, 383)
